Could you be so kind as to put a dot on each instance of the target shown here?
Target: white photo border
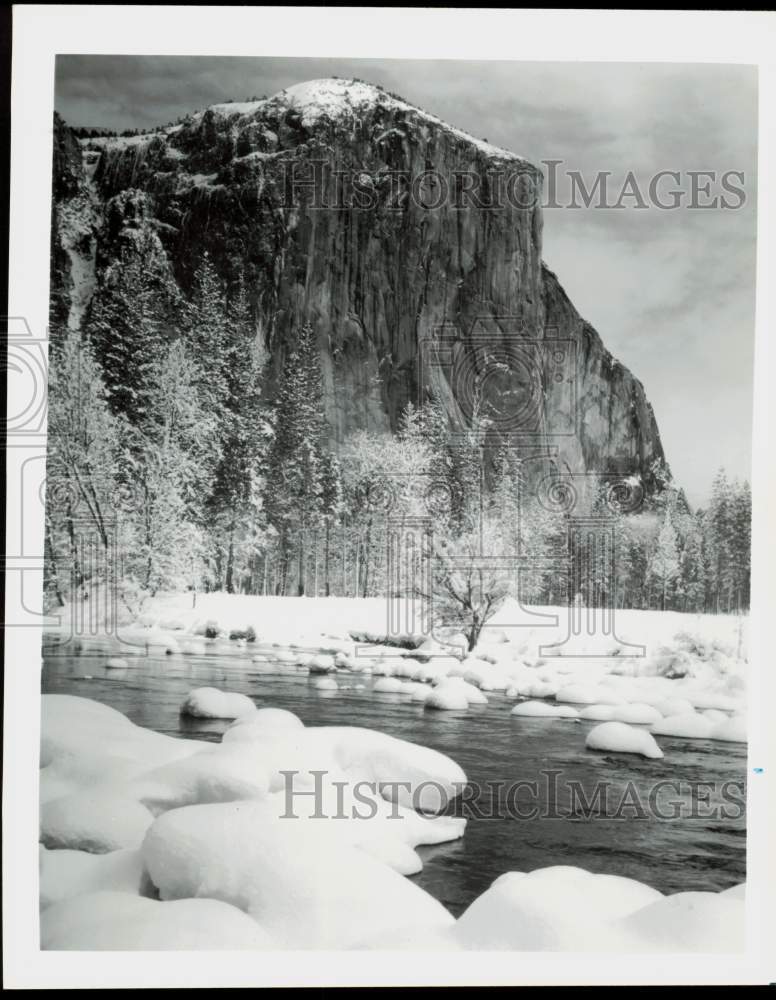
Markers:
(42, 32)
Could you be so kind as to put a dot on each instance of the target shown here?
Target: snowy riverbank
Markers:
(690, 676)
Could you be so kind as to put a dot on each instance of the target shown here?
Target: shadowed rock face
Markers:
(413, 249)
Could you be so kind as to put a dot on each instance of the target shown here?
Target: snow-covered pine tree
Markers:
(741, 544)
(136, 311)
(690, 583)
(331, 509)
(163, 540)
(296, 457)
(720, 537)
(664, 563)
(234, 511)
(210, 334)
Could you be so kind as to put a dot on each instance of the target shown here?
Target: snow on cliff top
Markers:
(331, 97)
(334, 97)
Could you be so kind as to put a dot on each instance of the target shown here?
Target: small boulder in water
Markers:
(619, 737)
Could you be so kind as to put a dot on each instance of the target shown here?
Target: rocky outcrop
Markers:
(75, 222)
(413, 248)
(615, 431)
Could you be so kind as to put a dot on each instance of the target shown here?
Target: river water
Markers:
(701, 848)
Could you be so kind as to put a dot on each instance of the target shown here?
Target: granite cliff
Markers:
(414, 249)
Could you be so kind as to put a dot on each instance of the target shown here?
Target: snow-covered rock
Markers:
(586, 694)
(689, 725)
(306, 889)
(473, 694)
(731, 731)
(210, 703)
(710, 699)
(259, 723)
(66, 873)
(539, 689)
(85, 744)
(674, 706)
(323, 663)
(325, 684)
(387, 685)
(392, 852)
(119, 921)
(454, 694)
(95, 820)
(220, 773)
(550, 909)
(543, 710)
(709, 922)
(447, 698)
(636, 713)
(407, 667)
(619, 737)
(407, 773)
(597, 713)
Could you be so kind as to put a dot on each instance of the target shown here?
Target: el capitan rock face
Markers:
(388, 230)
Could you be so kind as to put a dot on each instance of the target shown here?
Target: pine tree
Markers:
(720, 528)
(664, 564)
(234, 507)
(331, 508)
(740, 544)
(163, 542)
(296, 458)
(690, 581)
(209, 334)
(136, 311)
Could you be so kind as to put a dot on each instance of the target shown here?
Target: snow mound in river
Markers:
(299, 882)
(210, 703)
(619, 737)
(569, 909)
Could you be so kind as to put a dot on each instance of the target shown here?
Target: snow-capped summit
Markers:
(334, 98)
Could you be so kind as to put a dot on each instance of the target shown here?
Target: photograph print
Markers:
(397, 505)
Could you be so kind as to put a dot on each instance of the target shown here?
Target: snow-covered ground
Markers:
(147, 840)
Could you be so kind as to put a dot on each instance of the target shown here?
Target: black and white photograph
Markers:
(384, 493)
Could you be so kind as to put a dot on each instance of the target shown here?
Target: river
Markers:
(698, 850)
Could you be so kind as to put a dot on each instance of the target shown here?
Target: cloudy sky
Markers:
(670, 291)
